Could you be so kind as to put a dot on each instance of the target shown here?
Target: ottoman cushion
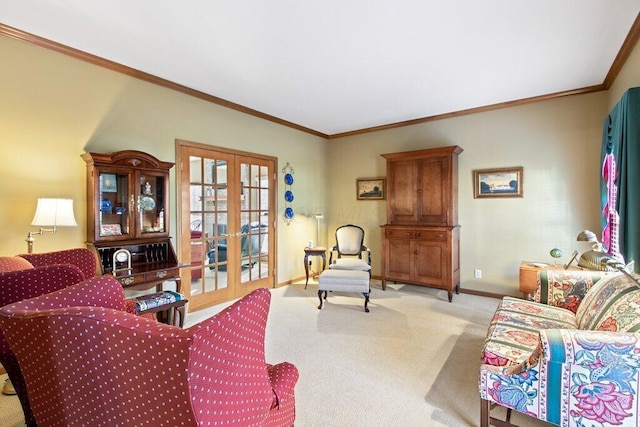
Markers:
(344, 280)
(350, 264)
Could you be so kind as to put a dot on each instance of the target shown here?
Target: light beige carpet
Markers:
(412, 361)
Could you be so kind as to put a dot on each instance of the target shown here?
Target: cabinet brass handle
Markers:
(161, 274)
(127, 280)
(440, 235)
(418, 234)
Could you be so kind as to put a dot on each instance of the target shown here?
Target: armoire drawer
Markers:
(430, 235)
(398, 233)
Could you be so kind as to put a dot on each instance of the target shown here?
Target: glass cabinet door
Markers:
(150, 199)
(114, 213)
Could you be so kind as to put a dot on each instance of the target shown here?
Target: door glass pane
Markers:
(114, 201)
(208, 215)
(254, 220)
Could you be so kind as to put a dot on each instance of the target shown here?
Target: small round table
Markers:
(319, 251)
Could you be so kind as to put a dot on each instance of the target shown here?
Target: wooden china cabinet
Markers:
(128, 218)
(421, 240)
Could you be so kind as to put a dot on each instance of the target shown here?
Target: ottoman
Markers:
(344, 281)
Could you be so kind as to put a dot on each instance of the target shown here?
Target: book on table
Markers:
(146, 302)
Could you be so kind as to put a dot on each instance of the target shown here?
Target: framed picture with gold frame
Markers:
(500, 182)
(370, 188)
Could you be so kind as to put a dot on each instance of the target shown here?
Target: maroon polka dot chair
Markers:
(88, 362)
(30, 275)
(20, 280)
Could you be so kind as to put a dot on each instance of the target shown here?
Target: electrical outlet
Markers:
(477, 274)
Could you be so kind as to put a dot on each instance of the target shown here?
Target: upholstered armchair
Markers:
(30, 275)
(349, 249)
(20, 280)
(121, 369)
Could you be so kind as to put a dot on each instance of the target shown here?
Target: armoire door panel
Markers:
(399, 259)
(403, 185)
(434, 203)
(429, 266)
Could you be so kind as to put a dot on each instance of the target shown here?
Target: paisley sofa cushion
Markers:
(513, 332)
(565, 288)
(613, 304)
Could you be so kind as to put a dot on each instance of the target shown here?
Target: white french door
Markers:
(227, 207)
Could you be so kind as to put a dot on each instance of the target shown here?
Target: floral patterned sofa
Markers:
(573, 362)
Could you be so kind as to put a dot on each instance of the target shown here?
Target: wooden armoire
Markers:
(421, 240)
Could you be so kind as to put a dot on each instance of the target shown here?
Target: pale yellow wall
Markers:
(558, 144)
(53, 108)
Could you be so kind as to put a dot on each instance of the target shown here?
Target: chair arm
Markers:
(82, 258)
(284, 377)
(102, 291)
(576, 347)
(23, 284)
(331, 251)
(366, 249)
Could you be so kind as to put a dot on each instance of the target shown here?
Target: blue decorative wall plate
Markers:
(288, 179)
(288, 213)
(288, 196)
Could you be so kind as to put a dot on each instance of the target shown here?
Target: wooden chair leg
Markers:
(366, 301)
(487, 420)
(484, 413)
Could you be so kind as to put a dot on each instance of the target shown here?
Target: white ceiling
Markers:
(336, 66)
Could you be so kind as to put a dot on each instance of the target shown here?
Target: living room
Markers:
(56, 107)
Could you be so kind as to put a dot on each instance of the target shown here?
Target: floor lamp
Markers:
(51, 213)
(318, 217)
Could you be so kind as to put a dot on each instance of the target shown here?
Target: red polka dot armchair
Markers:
(30, 275)
(22, 278)
(87, 362)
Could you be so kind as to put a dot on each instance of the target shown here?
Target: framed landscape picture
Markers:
(370, 188)
(502, 182)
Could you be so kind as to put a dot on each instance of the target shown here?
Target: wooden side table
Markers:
(319, 251)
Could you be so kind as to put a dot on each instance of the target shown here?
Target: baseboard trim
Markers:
(462, 291)
(482, 293)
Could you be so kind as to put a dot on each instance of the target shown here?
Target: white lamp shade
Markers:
(54, 213)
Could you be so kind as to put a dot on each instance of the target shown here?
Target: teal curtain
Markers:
(621, 137)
